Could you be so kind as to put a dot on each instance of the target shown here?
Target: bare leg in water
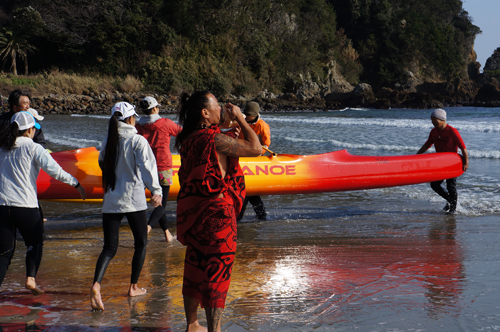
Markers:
(95, 297)
(31, 285)
(168, 235)
(191, 309)
(96, 300)
(214, 316)
(134, 290)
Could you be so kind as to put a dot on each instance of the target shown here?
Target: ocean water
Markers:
(361, 132)
(372, 260)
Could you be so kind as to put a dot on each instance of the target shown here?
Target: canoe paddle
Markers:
(274, 154)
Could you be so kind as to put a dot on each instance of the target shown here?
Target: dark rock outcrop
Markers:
(492, 66)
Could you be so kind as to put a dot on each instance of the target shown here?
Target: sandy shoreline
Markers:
(332, 277)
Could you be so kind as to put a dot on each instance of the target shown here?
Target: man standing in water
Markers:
(261, 128)
(446, 139)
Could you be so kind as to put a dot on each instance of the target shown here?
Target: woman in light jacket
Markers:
(20, 163)
(127, 164)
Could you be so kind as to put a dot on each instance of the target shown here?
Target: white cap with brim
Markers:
(35, 114)
(439, 114)
(124, 109)
(148, 103)
(24, 120)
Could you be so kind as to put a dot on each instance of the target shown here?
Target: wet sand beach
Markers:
(361, 272)
(376, 260)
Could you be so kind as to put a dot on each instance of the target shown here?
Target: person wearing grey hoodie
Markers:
(128, 165)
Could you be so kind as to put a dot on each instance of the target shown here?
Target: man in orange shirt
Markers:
(261, 128)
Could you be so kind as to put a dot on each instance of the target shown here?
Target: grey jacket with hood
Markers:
(135, 168)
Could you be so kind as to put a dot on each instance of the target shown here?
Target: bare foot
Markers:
(196, 327)
(149, 229)
(168, 236)
(31, 285)
(134, 290)
(95, 297)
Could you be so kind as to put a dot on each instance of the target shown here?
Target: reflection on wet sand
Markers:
(320, 283)
(280, 280)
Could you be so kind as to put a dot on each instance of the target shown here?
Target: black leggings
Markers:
(451, 195)
(30, 225)
(158, 214)
(258, 207)
(111, 228)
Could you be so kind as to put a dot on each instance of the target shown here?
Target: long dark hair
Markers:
(189, 114)
(9, 135)
(110, 154)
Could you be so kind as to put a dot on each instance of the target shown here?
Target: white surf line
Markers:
(477, 154)
(482, 126)
(96, 116)
(74, 142)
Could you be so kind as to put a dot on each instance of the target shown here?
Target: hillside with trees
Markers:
(242, 47)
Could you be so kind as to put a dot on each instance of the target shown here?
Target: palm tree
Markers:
(13, 45)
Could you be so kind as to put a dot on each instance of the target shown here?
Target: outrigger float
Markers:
(276, 175)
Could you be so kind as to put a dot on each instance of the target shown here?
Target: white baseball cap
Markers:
(24, 120)
(148, 103)
(125, 109)
(35, 114)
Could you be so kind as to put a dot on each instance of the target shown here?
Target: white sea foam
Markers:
(91, 116)
(480, 126)
(73, 141)
(472, 201)
(490, 154)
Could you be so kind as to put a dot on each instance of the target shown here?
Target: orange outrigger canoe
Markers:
(276, 175)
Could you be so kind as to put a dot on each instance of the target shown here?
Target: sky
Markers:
(485, 15)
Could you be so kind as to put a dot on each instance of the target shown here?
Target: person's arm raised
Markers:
(247, 147)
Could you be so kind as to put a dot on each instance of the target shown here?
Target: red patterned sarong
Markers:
(207, 206)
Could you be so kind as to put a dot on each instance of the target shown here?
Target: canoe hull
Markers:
(280, 175)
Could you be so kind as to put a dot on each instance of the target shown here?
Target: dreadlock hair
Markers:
(108, 166)
(9, 135)
(189, 114)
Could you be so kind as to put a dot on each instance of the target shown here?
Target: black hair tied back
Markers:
(189, 114)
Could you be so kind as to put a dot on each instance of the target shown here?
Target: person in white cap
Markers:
(157, 131)
(128, 165)
(446, 139)
(35, 114)
(20, 163)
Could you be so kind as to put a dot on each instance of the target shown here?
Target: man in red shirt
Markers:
(157, 131)
(445, 139)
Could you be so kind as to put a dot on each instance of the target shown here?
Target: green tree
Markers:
(13, 45)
